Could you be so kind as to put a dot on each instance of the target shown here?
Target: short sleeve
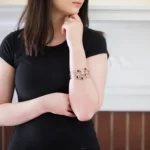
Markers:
(96, 44)
(6, 49)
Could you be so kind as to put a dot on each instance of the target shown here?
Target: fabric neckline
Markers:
(56, 46)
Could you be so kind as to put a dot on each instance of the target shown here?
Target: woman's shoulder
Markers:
(92, 33)
(94, 42)
(11, 40)
(9, 45)
(93, 37)
(13, 35)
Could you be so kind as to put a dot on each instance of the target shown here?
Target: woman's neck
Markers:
(58, 20)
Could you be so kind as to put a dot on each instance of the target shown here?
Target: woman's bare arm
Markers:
(14, 113)
(17, 113)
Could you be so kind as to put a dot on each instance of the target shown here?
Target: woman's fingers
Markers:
(68, 20)
(69, 108)
(76, 16)
(69, 114)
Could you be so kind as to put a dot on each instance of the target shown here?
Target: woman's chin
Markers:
(75, 11)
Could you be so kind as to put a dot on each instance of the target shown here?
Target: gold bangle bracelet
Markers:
(80, 74)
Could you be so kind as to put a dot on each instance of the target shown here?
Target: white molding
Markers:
(119, 13)
(132, 103)
(96, 13)
(128, 90)
(119, 7)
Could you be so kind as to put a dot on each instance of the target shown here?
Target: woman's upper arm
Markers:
(97, 60)
(6, 82)
(7, 69)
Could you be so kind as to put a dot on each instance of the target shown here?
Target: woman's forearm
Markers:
(12, 114)
(82, 93)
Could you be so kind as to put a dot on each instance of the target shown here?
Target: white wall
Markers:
(128, 37)
(121, 2)
(99, 2)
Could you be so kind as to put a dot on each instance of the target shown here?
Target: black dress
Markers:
(37, 76)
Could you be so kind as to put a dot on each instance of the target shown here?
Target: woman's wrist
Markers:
(78, 46)
(41, 105)
(46, 102)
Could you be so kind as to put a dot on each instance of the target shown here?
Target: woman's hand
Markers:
(57, 103)
(73, 28)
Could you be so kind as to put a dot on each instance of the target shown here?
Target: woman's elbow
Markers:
(84, 113)
(84, 117)
(100, 104)
(88, 115)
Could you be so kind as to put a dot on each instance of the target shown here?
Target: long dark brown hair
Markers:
(38, 29)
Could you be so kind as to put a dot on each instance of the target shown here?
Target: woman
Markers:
(58, 66)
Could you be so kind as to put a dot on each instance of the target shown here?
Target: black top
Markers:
(37, 76)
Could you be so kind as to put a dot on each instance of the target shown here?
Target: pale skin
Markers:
(83, 104)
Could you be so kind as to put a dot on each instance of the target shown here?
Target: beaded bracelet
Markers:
(80, 74)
